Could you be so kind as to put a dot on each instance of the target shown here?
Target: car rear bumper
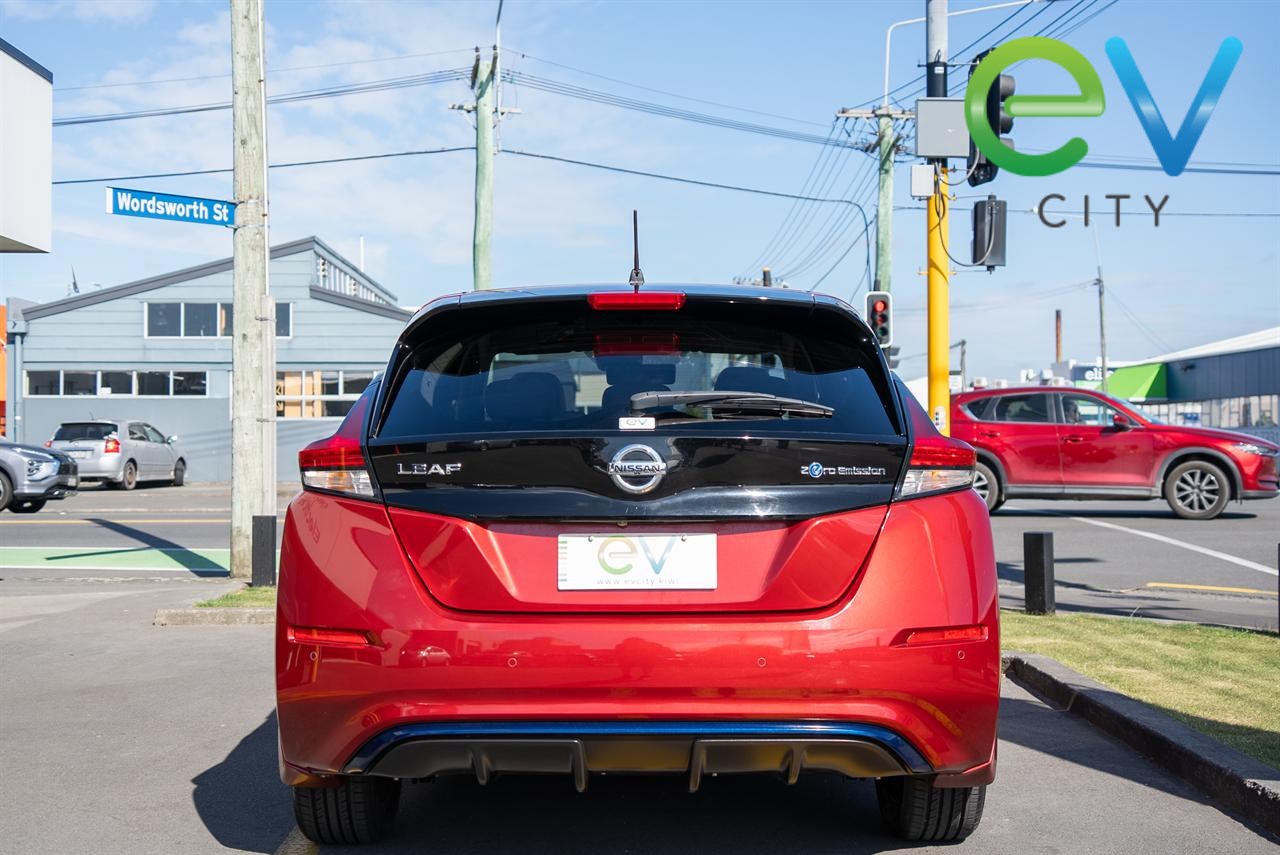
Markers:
(101, 468)
(837, 689)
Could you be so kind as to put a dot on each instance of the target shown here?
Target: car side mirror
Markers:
(171, 439)
(1121, 422)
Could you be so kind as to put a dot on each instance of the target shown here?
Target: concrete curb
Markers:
(1240, 784)
(214, 617)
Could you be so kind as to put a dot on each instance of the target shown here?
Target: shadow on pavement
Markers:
(194, 562)
(241, 800)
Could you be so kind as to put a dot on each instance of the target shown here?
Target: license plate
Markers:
(78, 454)
(605, 562)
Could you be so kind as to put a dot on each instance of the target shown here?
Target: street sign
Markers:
(163, 206)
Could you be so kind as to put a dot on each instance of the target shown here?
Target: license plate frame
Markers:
(647, 561)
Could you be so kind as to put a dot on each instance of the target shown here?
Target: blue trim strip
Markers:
(375, 747)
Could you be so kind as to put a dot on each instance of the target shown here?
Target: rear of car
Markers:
(692, 531)
(30, 477)
(95, 446)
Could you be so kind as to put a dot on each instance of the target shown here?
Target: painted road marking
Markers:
(1212, 553)
(114, 558)
(179, 520)
(297, 844)
(1182, 586)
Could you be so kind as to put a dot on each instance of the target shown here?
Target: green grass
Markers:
(1222, 682)
(245, 598)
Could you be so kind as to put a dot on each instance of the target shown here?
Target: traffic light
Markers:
(979, 168)
(880, 316)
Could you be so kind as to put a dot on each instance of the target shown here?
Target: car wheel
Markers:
(913, 809)
(27, 506)
(129, 478)
(1197, 490)
(359, 810)
(179, 473)
(986, 483)
(6, 491)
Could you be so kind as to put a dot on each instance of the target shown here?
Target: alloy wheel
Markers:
(1197, 490)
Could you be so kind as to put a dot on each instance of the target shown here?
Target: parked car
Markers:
(30, 476)
(1064, 443)
(121, 452)
(603, 530)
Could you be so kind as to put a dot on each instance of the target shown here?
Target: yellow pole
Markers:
(939, 308)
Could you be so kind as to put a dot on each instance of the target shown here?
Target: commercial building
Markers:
(159, 350)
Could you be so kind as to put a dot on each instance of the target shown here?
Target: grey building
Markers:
(159, 350)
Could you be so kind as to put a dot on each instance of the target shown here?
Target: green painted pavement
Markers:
(136, 558)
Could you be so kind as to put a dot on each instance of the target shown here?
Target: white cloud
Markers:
(82, 10)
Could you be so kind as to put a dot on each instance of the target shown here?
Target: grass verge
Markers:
(245, 598)
(1221, 682)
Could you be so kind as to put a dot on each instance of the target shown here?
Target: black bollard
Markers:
(263, 549)
(1037, 571)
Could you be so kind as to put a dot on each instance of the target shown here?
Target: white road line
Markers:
(297, 844)
(1212, 553)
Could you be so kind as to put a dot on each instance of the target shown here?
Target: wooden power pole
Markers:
(253, 426)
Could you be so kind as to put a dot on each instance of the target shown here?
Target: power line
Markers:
(431, 78)
(153, 81)
(321, 162)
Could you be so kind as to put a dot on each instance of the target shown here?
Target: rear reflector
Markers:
(943, 634)
(636, 300)
(938, 464)
(335, 637)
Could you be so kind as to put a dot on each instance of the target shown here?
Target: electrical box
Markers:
(940, 128)
(989, 232)
(921, 181)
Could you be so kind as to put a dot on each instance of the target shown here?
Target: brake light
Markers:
(111, 445)
(48, 443)
(608, 301)
(938, 464)
(337, 464)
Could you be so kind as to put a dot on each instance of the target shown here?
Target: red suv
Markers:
(600, 530)
(1064, 443)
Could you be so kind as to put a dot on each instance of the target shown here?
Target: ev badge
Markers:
(637, 468)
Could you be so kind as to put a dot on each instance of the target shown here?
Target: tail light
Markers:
(608, 301)
(937, 464)
(337, 464)
(111, 445)
(48, 443)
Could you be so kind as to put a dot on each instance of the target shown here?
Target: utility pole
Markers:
(1102, 307)
(1057, 336)
(253, 426)
(938, 268)
(482, 83)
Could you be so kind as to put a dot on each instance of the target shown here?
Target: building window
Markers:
(117, 384)
(315, 393)
(204, 320)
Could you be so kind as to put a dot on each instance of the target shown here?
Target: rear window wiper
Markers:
(732, 403)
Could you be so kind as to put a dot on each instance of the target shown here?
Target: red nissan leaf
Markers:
(587, 530)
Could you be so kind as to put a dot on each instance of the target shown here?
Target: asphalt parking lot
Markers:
(1112, 557)
(122, 738)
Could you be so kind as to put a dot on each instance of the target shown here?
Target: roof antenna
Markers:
(637, 278)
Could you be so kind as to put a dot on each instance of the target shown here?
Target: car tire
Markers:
(1197, 490)
(179, 473)
(359, 810)
(913, 809)
(987, 485)
(27, 506)
(6, 491)
(128, 478)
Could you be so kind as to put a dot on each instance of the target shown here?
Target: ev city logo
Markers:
(617, 553)
(1173, 152)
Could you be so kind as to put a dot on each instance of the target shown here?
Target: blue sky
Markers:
(1191, 280)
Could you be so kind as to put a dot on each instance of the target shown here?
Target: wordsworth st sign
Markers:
(164, 206)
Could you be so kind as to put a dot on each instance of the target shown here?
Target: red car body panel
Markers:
(1091, 457)
(346, 569)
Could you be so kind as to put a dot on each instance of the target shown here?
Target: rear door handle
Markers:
(1073, 439)
(989, 433)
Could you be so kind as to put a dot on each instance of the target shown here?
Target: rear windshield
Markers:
(84, 430)
(560, 367)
